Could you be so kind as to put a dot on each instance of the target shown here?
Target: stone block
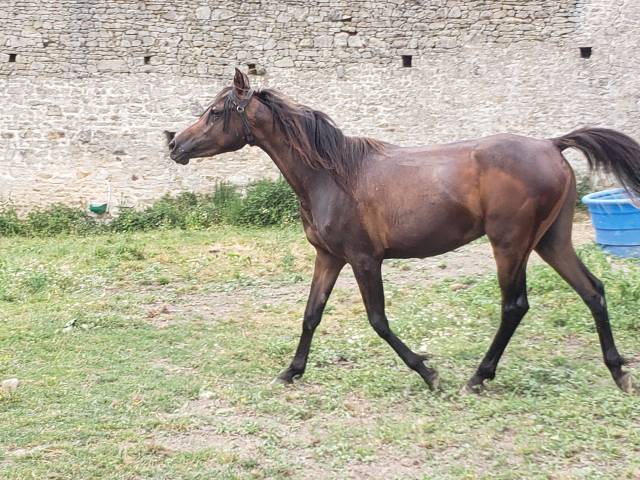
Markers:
(355, 41)
(283, 62)
(114, 65)
(203, 13)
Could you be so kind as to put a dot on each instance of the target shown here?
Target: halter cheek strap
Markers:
(240, 106)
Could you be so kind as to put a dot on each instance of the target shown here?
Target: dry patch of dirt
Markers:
(474, 259)
(245, 436)
(209, 437)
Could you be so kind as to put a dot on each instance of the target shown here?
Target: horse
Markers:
(363, 200)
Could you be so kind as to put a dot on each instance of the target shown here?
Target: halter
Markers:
(240, 106)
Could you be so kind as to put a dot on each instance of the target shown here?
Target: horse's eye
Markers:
(214, 114)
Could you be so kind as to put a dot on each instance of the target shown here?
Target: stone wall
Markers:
(92, 85)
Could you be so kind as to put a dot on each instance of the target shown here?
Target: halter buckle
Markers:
(240, 105)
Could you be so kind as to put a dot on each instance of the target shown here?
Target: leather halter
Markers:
(240, 106)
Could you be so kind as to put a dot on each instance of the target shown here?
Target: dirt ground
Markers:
(474, 259)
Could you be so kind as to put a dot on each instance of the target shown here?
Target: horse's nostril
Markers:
(172, 144)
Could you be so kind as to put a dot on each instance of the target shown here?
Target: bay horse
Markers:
(364, 200)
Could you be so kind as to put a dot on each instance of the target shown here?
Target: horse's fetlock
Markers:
(486, 373)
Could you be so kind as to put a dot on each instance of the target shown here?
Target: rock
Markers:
(206, 395)
(283, 62)
(116, 65)
(355, 41)
(222, 14)
(203, 13)
(455, 12)
(323, 41)
(170, 15)
(341, 39)
(10, 385)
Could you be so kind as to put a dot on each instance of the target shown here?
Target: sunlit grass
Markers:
(150, 355)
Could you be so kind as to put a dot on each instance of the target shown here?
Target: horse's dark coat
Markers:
(363, 200)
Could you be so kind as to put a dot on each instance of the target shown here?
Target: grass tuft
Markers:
(265, 203)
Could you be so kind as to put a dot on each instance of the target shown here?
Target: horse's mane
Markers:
(314, 137)
(316, 140)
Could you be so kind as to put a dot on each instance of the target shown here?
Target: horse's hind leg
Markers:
(556, 249)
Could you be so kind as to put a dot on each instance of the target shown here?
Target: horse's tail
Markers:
(608, 150)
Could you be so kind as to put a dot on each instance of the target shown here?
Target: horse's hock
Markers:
(88, 88)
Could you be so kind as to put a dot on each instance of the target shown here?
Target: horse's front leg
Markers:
(326, 271)
(369, 277)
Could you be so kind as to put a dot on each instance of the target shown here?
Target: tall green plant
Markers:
(265, 203)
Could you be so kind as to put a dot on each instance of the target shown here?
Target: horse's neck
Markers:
(301, 177)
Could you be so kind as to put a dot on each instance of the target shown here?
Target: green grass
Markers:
(264, 203)
(172, 338)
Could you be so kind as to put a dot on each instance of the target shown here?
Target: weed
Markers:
(119, 394)
(584, 186)
(265, 203)
(268, 203)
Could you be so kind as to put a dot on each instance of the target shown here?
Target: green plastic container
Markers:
(98, 208)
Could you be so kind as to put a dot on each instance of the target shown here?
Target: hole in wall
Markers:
(12, 57)
(147, 59)
(585, 52)
(252, 68)
(407, 61)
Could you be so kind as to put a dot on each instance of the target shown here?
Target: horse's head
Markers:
(223, 127)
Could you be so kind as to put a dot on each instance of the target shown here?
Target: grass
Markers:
(150, 355)
(264, 203)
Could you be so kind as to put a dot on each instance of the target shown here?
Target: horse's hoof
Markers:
(472, 389)
(286, 378)
(433, 381)
(282, 380)
(625, 383)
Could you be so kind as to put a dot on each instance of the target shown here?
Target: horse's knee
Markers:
(310, 323)
(515, 310)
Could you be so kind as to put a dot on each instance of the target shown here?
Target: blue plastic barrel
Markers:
(616, 220)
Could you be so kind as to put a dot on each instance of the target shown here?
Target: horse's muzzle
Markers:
(180, 157)
(177, 153)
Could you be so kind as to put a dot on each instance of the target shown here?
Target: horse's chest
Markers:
(324, 232)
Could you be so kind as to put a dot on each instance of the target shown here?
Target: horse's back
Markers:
(425, 201)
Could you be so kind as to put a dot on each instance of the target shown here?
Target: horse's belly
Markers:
(429, 234)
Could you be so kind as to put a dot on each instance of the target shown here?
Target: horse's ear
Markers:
(241, 83)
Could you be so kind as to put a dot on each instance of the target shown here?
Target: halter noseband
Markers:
(240, 106)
